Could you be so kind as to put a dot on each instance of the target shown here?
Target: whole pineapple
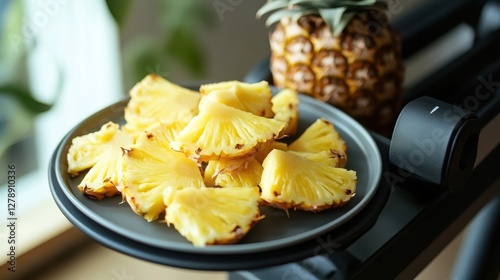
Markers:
(341, 52)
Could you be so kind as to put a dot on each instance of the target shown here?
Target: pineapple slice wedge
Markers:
(155, 99)
(266, 148)
(247, 175)
(223, 131)
(319, 136)
(292, 181)
(100, 152)
(250, 97)
(331, 157)
(227, 165)
(150, 166)
(209, 216)
(286, 109)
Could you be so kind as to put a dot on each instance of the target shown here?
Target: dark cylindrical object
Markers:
(436, 141)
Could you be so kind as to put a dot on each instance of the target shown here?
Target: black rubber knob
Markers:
(436, 141)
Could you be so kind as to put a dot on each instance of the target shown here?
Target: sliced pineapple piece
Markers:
(222, 131)
(227, 165)
(138, 127)
(285, 108)
(331, 157)
(103, 178)
(254, 98)
(101, 153)
(319, 136)
(266, 148)
(248, 175)
(212, 215)
(155, 99)
(167, 130)
(150, 166)
(292, 181)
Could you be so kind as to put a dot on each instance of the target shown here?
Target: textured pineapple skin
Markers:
(359, 71)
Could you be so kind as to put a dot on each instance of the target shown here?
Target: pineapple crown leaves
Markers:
(336, 13)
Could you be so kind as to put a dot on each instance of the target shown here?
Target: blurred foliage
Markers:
(18, 106)
(178, 23)
(13, 55)
(119, 10)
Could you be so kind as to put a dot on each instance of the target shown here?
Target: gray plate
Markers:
(275, 231)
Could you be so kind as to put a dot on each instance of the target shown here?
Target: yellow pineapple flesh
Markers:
(101, 152)
(285, 108)
(223, 131)
(210, 216)
(150, 166)
(155, 99)
(319, 136)
(290, 181)
(331, 157)
(248, 175)
(254, 98)
(266, 148)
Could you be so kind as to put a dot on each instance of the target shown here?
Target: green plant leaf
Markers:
(15, 122)
(119, 10)
(141, 56)
(25, 98)
(189, 14)
(184, 47)
(278, 15)
(334, 3)
(272, 6)
(336, 18)
(336, 13)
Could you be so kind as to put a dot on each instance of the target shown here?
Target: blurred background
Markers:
(63, 60)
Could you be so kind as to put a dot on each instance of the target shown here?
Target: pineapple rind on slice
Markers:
(222, 131)
(209, 216)
(290, 181)
(285, 108)
(250, 97)
(248, 175)
(155, 99)
(100, 152)
(319, 136)
(149, 167)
